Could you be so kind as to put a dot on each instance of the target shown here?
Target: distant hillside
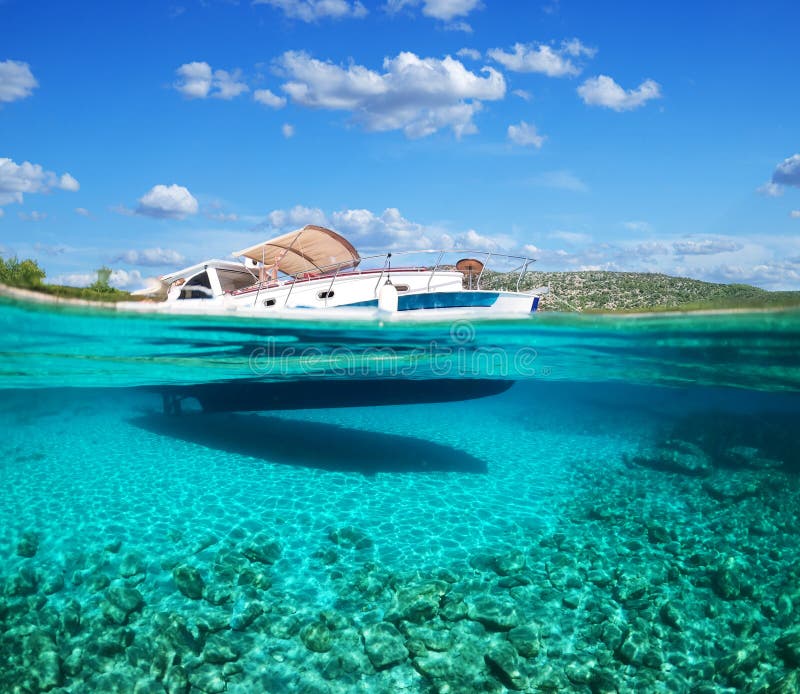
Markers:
(640, 291)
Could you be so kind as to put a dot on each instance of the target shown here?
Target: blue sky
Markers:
(621, 136)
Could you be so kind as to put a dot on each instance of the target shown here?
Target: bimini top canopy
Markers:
(310, 249)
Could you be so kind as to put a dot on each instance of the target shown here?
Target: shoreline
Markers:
(38, 297)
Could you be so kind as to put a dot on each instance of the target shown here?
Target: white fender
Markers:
(387, 298)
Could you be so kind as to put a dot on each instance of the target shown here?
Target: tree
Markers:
(21, 273)
(101, 284)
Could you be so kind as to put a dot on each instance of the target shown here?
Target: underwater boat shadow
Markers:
(312, 444)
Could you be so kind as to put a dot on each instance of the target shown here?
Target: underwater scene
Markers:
(564, 503)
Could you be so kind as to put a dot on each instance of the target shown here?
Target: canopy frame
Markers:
(312, 249)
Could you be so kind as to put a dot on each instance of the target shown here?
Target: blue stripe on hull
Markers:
(415, 302)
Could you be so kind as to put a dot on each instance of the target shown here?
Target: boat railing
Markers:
(515, 268)
(517, 271)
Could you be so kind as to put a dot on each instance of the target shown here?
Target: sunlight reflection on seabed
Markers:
(460, 356)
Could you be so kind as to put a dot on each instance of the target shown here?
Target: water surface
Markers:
(623, 517)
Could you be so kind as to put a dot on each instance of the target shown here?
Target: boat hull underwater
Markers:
(257, 396)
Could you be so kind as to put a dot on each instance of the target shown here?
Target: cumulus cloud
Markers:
(525, 134)
(650, 248)
(16, 81)
(294, 218)
(388, 230)
(227, 85)
(604, 91)
(705, 246)
(67, 182)
(121, 279)
(543, 58)
(150, 257)
(522, 94)
(16, 180)
(167, 202)
(445, 10)
(268, 98)
(287, 129)
(787, 173)
(194, 80)
(416, 95)
(314, 10)
(775, 274)
(83, 212)
(795, 214)
(770, 190)
(198, 81)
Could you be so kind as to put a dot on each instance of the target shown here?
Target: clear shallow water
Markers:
(534, 540)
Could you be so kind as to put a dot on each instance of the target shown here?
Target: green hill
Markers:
(640, 291)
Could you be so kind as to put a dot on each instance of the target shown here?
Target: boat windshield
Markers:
(199, 287)
(231, 280)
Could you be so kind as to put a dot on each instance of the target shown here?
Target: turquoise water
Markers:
(623, 517)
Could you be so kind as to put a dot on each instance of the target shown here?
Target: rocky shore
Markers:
(676, 569)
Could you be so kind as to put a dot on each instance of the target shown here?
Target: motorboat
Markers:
(315, 268)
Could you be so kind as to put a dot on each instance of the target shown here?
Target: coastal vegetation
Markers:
(596, 291)
(583, 291)
(28, 274)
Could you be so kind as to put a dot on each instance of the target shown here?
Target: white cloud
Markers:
(83, 212)
(227, 85)
(268, 98)
(287, 129)
(771, 275)
(706, 246)
(167, 202)
(761, 262)
(18, 179)
(525, 134)
(313, 10)
(542, 58)
(2, 212)
(446, 10)
(198, 81)
(650, 248)
(67, 182)
(32, 216)
(296, 217)
(127, 279)
(604, 91)
(770, 190)
(787, 173)
(121, 279)
(416, 95)
(195, 80)
(16, 81)
(560, 180)
(470, 53)
(388, 230)
(795, 214)
(522, 94)
(150, 257)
